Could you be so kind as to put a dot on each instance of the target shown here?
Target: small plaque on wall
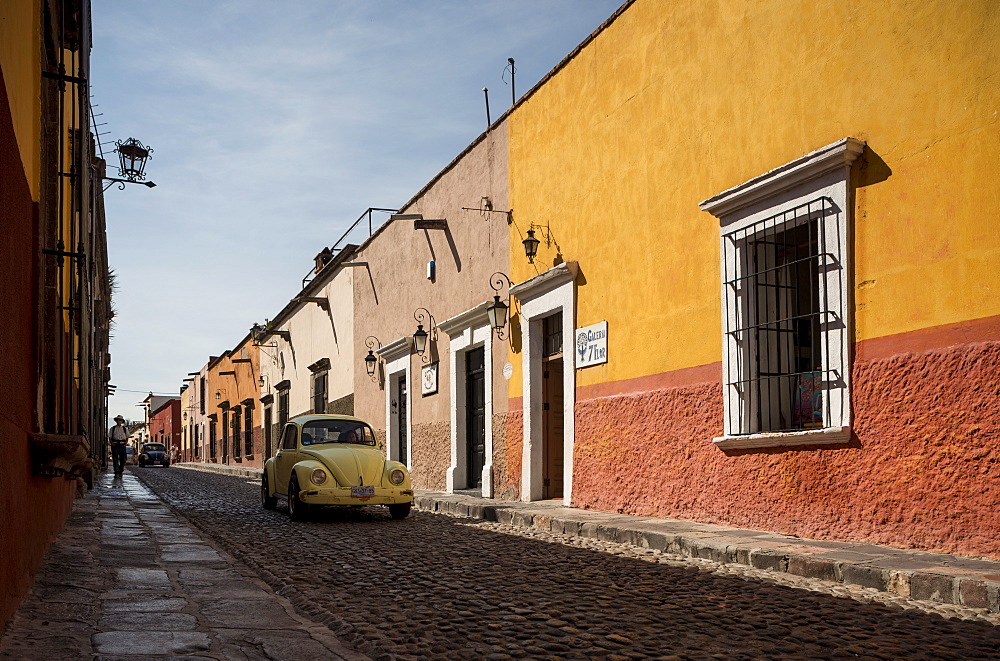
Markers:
(429, 379)
(592, 345)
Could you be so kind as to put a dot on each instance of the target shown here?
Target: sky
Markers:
(274, 126)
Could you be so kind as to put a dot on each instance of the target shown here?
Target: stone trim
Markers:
(545, 282)
(394, 350)
(771, 184)
(471, 318)
(827, 436)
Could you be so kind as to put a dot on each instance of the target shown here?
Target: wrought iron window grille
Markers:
(776, 309)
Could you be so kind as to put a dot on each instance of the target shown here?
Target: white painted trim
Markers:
(557, 276)
(461, 343)
(825, 436)
(545, 294)
(771, 184)
(395, 369)
(472, 318)
(822, 173)
(395, 350)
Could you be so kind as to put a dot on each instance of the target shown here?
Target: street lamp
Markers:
(132, 157)
(371, 361)
(531, 246)
(497, 310)
(420, 335)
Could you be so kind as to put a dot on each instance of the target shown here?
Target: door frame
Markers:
(546, 294)
(397, 366)
(469, 330)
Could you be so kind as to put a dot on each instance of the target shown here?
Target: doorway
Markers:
(401, 425)
(552, 407)
(475, 416)
(267, 432)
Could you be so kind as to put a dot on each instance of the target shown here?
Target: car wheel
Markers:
(266, 499)
(142, 464)
(400, 511)
(297, 510)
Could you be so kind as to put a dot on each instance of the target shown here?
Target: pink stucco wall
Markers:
(920, 472)
(394, 284)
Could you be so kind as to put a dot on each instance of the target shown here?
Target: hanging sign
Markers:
(592, 345)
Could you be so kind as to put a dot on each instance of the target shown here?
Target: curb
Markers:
(238, 471)
(913, 584)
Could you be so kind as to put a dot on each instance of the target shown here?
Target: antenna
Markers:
(510, 65)
(486, 93)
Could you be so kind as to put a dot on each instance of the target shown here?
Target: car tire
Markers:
(142, 464)
(297, 510)
(400, 511)
(268, 501)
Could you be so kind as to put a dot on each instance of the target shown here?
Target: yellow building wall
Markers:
(20, 50)
(675, 102)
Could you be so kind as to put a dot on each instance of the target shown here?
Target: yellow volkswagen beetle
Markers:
(333, 460)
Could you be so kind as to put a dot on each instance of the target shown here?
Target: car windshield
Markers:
(337, 431)
(129, 450)
(154, 447)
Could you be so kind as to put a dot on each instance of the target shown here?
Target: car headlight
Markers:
(397, 476)
(318, 476)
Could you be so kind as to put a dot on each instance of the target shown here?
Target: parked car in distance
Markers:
(154, 453)
(131, 457)
(333, 460)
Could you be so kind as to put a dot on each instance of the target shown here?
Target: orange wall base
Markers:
(921, 471)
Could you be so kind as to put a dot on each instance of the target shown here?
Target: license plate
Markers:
(362, 492)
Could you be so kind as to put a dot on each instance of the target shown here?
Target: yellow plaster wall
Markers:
(675, 102)
(20, 53)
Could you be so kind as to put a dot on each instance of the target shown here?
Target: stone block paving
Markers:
(129, 579)
(449, 585)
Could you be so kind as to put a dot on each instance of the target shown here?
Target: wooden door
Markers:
(552, 428)
(475, 416)
(401, 418)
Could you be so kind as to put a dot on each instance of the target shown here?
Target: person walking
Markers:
(118, 436)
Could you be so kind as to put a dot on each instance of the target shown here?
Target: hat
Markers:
(118, 417)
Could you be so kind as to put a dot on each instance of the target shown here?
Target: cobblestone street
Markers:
(445, 587)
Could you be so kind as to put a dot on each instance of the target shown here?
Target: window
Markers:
(267, 431)
(780, 365)
(784, 266)
(201, 398)
(552, 333)
(225, 434)
(237, 432)
(319, 393)
(337, 431)
(248, 431)
(288, 438)
(282, 407)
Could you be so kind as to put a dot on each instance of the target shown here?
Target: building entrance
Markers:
(401, 425)
(552, 407)
(475, 416)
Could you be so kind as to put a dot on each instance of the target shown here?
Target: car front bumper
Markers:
(342, 496)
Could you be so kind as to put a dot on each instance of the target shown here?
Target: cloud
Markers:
(274, 125)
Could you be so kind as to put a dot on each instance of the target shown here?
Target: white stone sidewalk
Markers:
(128, 579)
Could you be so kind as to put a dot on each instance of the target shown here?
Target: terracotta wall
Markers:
(165, 425)
(919, 473)
(234, 389)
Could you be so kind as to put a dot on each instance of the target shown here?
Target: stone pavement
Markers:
(944, 578)
(129, 579)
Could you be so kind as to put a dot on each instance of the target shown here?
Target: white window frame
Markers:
(822, 173)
